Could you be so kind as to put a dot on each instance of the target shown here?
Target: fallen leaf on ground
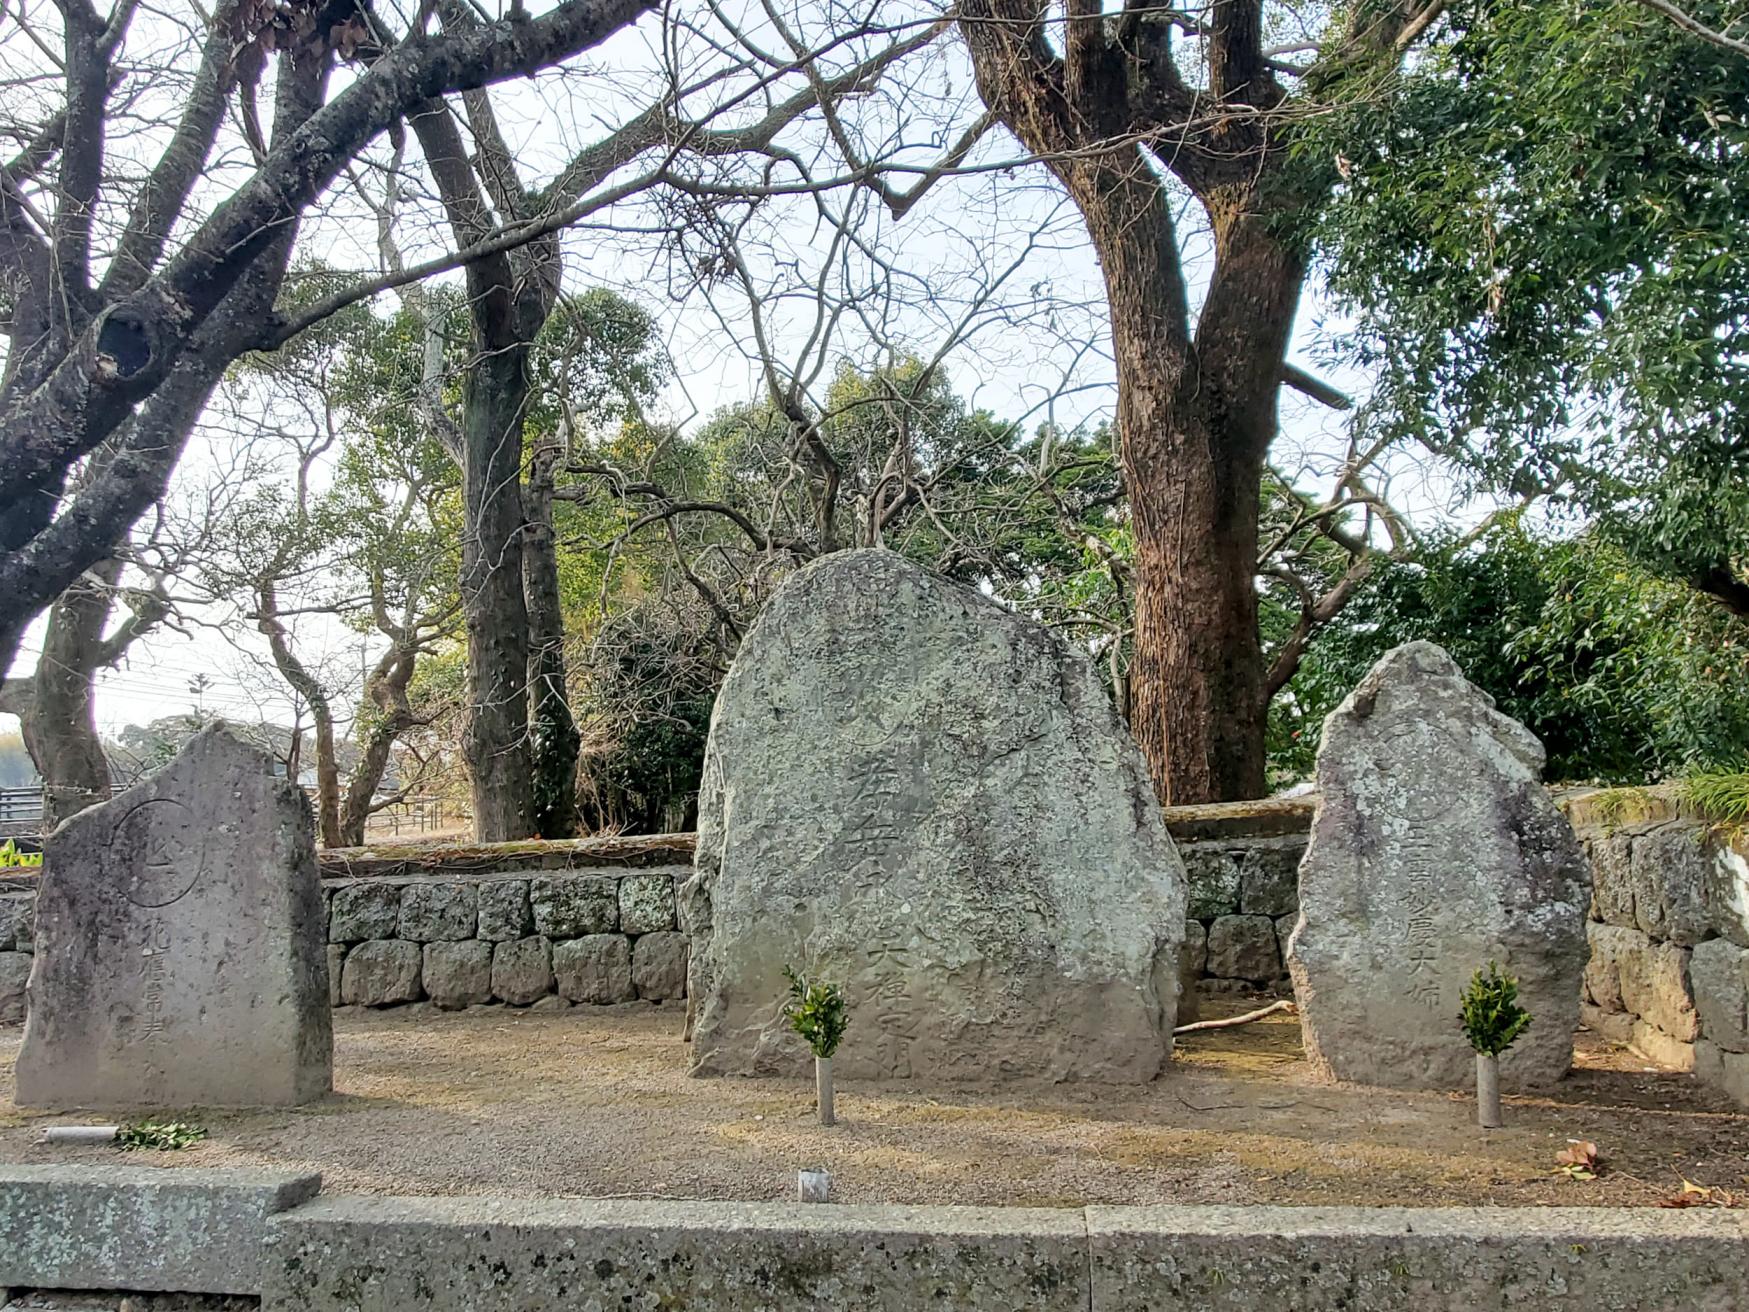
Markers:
(1579, 1160)
(1700, 1195)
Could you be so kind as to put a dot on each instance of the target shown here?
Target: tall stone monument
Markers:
(1435, 849)
(915, 794)
(181, 956)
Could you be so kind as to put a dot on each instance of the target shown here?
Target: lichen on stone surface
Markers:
(912, 790)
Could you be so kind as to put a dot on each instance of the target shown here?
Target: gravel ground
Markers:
(596, 1102)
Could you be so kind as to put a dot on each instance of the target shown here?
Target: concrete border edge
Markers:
(274, 1234)
(140, 1228)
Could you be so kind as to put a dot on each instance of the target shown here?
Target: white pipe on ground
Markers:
(81, 1133)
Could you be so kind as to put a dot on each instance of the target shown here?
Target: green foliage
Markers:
(140, 749)
(554, 741)
(1613, 804)
(373, 525)
(1006, 511)
(372, 529)
(11, 857)
(645, 691)
(816, 1012)
(663, 757)
(1540, 237)
(159, 1136)
(595, 364)
(1004, 508)
(1623, 676)
(1722, 796)
(1491, 1016)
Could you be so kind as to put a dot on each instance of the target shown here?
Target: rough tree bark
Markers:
(386, 690)
(1111, 115)
(269, 623)
(496, 737)
(511, 295)
(555, 739)
(510, 298)
(1196, 414)
(54, 705)
(59, 726)
(505, 312)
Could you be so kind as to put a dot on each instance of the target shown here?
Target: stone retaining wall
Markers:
(593, 921)
(1243, 861)
(1669, 931)
(595, 937)
(550, 925)
(544, 924)
(17, 943)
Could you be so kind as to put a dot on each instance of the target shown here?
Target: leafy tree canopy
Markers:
(1542, 240)
(1624, 675)
(687, 535)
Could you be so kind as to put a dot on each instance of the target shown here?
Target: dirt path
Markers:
(596, 1102)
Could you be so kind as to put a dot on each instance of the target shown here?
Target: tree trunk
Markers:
(1195, 419)
(386, 689)
(1196, 676)
(327, 777)
(1196, 396)
(555, 741)
(307, 686)
(361, 788)
(169, 309)
(496, 737)
(57, 720)
(505, 312)
(294, 755)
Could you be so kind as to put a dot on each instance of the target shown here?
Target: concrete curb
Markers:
(383, 1254)
(189, 1230)
(1313, 1259)
(470, 1255)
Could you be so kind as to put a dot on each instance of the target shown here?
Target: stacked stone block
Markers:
(458, 937)
(592, 936)
(464, 939)
(17, 936)
(1244, 899)
(1649, 915)
(1720, 974)
(1669, 972)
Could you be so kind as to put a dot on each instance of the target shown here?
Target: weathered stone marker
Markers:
(181, 955)
(919, 796)
(1435, 849)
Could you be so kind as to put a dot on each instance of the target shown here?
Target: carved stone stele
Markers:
(181, 954)
(913, 793)
(1435, 850)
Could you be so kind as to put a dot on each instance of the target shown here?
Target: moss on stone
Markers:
(1610, 809)
(388, 859)
(1266, 817)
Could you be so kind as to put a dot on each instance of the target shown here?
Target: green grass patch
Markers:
(1721, 797)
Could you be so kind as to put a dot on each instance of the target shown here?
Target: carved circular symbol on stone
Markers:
(158, 852)
(1418, 754)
